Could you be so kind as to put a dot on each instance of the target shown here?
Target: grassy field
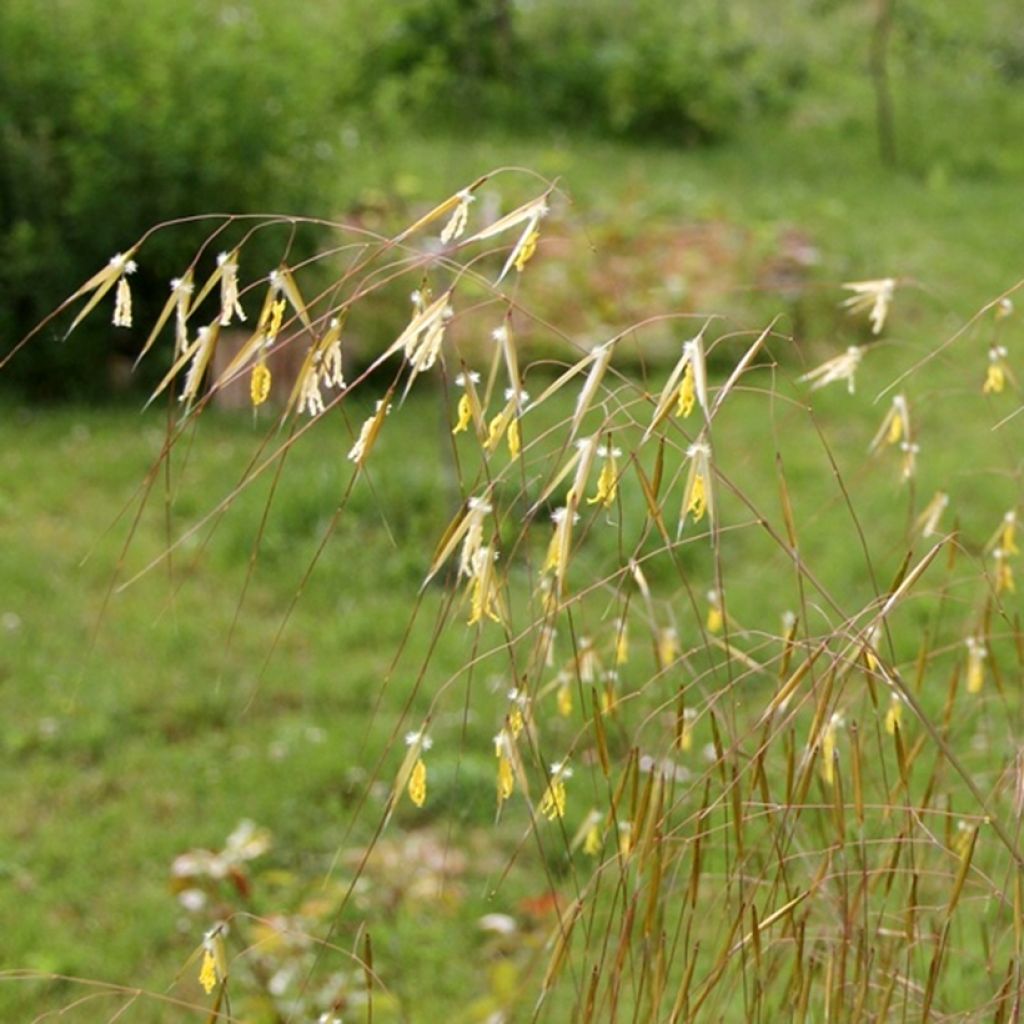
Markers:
(147, 720)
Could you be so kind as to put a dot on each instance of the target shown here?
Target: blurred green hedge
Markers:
(116, 115)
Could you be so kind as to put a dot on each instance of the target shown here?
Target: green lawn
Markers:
(144, 721)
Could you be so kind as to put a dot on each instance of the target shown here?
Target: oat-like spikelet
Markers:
(449, 206)
(115, 272)
(321, 368)
(686, 385)
(179, 303)
(839, 368)
(976, 655)
(698, 494)
(828, 749)
(592, 839)
(198, 356)
(621, 641)
(360, 451)
(214, 967)
(557, 558)
(501, 425)
(553, 802)
(909, 450)
(685, 738)
(411, 777)
(123, 297)
(530, 215)
(484, 593)
(563, 694)
(873, 297)
(230, 306)
(894, 714)
(423, 345)
(259, 384)
(468, 410)
(460, 215)
(608, 479)
(505, 751)
(716, 618)
(668, 646)
(895, 427)
(468, 529)
(997, 372)
(1002, 572)
(599, 360)
(928, 521)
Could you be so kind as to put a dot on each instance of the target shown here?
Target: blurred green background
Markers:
(117, 116)
(721, 158)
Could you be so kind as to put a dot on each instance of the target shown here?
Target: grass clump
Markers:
(703, 695)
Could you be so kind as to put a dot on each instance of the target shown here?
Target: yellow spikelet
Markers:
(208, 972)
(506, 778)
(259, 384)
(565, 700)
(894, 716)
(687, 395)
(514, 439)
(552, 804)
(465, 411)
(418, 783)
